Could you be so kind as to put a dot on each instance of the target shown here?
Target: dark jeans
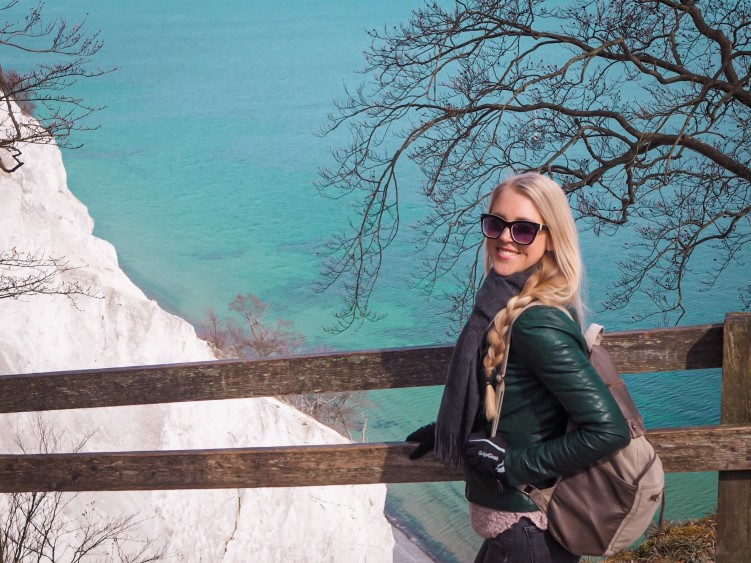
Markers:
(521, 543)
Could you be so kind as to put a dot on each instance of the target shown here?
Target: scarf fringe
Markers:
(449, 448)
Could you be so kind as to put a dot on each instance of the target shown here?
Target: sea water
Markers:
(202, 176)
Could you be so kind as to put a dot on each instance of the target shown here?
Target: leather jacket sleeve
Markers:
(551, 346)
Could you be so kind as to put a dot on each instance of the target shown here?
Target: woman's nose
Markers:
(506, 234)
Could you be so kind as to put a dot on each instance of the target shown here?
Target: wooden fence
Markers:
(725, 447)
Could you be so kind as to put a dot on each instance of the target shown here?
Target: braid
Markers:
(547, 285)
(497, 342)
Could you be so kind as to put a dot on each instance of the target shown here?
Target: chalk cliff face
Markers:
(122, 327)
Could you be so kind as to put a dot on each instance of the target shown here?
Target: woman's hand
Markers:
(487, 455)
(425, 435)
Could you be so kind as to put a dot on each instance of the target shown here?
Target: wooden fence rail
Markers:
(668, 349)
(725, 448)
(299, 466)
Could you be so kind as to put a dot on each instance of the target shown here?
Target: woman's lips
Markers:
(506, 253)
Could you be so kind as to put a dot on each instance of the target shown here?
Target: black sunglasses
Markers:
(522, 232)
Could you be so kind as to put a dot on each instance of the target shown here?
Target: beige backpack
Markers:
(606, 507)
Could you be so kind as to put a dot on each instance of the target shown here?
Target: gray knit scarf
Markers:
(461, 396)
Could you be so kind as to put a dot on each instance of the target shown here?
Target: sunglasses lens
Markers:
(492, 227)
(524, 233)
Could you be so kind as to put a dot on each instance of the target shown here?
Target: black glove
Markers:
(426, 436)
(487, 455)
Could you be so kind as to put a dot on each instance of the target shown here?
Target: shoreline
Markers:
(407, 548)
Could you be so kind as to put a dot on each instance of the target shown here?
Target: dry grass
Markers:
(682, 542)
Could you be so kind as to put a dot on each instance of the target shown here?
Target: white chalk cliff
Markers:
(38, 214)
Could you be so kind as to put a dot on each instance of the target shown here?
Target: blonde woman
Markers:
(532, 255)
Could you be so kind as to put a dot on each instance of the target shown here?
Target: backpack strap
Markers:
(593, 335)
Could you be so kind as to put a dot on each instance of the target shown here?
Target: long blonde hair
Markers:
(558, 279)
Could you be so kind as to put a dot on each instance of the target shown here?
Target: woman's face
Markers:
(507, 256)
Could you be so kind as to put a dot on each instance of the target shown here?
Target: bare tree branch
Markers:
(24, 274)
(639, 109)
(40, 526)
(52, 55)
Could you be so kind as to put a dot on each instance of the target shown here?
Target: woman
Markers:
(531, 255)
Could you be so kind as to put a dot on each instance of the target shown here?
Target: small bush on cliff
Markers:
(247, 333)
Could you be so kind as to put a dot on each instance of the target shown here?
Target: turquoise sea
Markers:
(202, 175)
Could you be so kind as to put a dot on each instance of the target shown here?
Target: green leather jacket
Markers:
(549, 379)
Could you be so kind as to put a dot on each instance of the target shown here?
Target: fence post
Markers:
(734, 490)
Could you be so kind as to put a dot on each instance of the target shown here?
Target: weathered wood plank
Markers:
(635, 351)
(380, 369)
(734, 489)
(723, 447)
(703, 448)
(666, 349)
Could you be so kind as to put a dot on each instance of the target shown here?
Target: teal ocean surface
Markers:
(202, 175)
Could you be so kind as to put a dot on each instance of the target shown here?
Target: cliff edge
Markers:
(120, 326)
